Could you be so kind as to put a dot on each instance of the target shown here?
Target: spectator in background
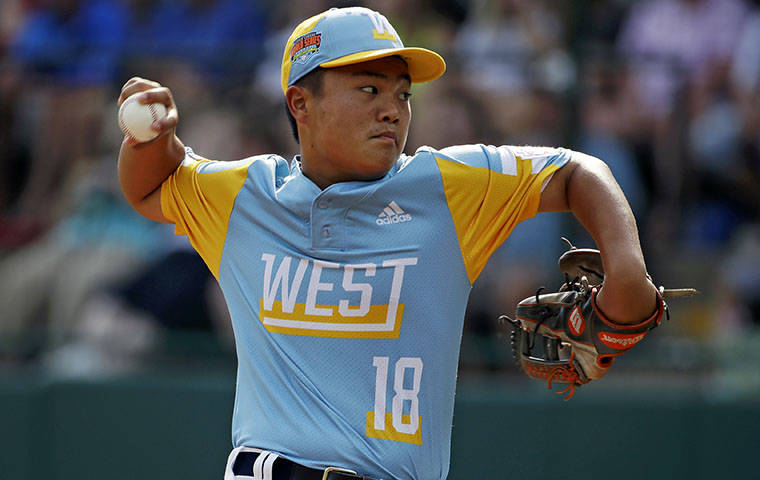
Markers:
(11, 14)
(71, 291)
(745, 82)
(68, 52)
(47, 283)
(15, 154)
(128, 316)
(674, 44)
(219, 40)
(677, 53)
(512, 50)
(11, 168)
(431, 22)
(608, 125)
(739, 284)
(745, 72)
(739, 278)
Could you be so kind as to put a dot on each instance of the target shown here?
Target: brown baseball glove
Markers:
(563, 337)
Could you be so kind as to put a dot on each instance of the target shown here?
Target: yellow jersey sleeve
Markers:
(198, 198)
(489, 190)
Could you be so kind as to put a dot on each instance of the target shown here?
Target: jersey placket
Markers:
(327, 223)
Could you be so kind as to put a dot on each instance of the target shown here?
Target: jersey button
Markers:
(323, 204)
(326, 231)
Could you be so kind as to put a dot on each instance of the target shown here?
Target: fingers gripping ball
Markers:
(135, 118)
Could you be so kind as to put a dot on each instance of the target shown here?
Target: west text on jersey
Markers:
(378, 313)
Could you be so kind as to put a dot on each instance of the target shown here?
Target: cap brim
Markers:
(424, 65)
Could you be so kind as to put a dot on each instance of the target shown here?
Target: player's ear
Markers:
(297, 99)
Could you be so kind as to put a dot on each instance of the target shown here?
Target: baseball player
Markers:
(347, 270)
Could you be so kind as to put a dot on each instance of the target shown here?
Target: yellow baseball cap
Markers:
(344, 36)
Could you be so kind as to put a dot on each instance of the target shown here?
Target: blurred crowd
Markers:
(667, 92)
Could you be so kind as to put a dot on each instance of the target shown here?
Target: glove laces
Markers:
(565, 373)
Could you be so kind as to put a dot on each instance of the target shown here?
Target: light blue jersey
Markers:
(347, 303)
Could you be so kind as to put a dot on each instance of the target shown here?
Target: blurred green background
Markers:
(170, 418)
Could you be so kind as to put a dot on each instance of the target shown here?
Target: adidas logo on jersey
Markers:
(392, 214)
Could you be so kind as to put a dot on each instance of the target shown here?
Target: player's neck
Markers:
(313, 168)
(324, 177)
(315, 177)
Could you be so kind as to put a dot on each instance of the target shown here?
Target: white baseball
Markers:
(135, 118)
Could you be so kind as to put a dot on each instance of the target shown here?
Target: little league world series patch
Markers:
(305, 46)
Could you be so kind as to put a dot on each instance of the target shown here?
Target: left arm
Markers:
(585, 186)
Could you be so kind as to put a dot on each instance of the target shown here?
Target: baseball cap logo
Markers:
(383, 29)
(305, 46)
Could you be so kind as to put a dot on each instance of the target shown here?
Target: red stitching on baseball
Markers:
(124, 127)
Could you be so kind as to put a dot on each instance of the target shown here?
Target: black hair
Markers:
(311, 81)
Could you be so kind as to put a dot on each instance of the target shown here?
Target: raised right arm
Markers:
(143, 167)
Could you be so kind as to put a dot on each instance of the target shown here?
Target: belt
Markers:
(284, 469)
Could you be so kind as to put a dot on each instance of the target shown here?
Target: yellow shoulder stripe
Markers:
(486, 206)
(200, 205)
